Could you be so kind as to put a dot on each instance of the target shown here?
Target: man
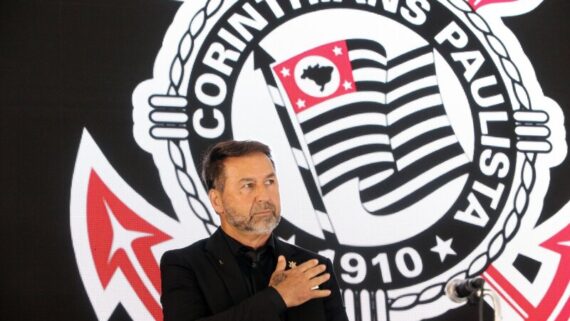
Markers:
(242, 271)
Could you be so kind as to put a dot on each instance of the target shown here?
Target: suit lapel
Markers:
(226, 266)
(311, 310)
(290, 252)
(287, 251)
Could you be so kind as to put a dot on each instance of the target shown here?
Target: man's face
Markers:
(249, 202)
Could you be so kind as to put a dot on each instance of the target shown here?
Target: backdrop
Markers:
(416, 142)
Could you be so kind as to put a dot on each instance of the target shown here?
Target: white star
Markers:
(347, 85)
(285, 72)
(300, 103)
(337, 51)
(443, 248)
(122, 237)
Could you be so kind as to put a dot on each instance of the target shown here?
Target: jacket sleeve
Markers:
(334, 305)
(183, 299)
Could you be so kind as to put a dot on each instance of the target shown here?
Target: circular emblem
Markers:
(394, 138)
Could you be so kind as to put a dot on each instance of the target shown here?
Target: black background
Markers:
(68, 65)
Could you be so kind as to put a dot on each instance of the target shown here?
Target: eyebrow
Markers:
(249, 179)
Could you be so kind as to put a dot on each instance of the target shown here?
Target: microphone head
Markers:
(478, 283)
(451, 291)
(460, 291)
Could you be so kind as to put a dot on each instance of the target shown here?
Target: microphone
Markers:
(460, 291)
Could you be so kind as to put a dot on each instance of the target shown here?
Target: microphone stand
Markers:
(477, 298)
(495, 302)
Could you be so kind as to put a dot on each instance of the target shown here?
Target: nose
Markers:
(262, 194)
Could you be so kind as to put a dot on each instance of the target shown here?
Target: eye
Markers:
(247, 185)
(270, 181)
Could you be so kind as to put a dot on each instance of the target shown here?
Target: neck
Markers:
(252, 240)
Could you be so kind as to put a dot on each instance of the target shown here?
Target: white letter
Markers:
(471, 61)
(208, 132)
(419, 16)
(499, 163)
(274, 6)
(216, 55)
(491, 116)
(255, 20)
(231, 39)
(474, 213)
(481, 83)
(389, 5)
(453, 34)
(493, 194)
(212, 80)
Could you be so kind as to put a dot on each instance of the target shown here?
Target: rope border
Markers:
(432, 292)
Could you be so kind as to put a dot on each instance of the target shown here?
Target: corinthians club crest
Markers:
(411, 138)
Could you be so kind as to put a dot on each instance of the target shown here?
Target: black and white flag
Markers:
(380, 119)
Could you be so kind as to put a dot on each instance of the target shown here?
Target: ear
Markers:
(215, 197)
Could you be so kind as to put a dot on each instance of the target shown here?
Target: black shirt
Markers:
(256, 267)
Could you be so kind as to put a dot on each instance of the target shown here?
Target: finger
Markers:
(307, 265)
(316, 281)
(320, 293)
(315, 270)
(281, 264)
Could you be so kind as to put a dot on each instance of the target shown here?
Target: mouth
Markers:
(262, 209)
(263, 213)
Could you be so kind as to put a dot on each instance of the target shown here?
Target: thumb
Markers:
(280, 263)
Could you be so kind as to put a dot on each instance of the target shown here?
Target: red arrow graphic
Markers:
(114, 232)
(559, 243)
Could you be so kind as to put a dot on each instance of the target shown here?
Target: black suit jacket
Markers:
(204, 282)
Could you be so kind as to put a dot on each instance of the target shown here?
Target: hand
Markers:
(299, 284)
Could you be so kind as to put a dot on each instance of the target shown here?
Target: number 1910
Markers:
(354, 268)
